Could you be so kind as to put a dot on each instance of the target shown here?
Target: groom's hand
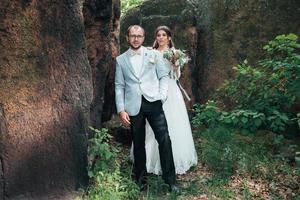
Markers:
(125, 118)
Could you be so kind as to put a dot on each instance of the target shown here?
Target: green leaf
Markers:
(257, 122)
(244, 120)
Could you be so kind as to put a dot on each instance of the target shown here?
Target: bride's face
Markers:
(162, 38)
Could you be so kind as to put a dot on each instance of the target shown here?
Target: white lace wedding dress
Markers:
(184, 152)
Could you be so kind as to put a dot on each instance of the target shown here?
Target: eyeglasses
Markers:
(136, 36)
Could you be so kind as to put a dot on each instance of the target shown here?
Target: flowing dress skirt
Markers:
(184, 152)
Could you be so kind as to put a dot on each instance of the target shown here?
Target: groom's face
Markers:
(135, 37)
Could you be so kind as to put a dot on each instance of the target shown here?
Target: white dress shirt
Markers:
(136, 60)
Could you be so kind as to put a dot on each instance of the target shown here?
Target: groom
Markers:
(141, 85)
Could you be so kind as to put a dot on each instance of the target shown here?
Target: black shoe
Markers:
(143, 187)
(174, 189)
(142, 183)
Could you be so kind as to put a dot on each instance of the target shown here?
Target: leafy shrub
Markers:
(217, 151)
(298, 119)
(102, 155)
(226, 152)
(108, 182)
(129, 4)
(262, 96)
(271, 84)
(210, 115)
(207, 114)
(259, 98)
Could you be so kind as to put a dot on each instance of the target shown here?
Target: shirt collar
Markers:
(136, 52)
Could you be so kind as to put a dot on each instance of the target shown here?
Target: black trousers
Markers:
(153, 112)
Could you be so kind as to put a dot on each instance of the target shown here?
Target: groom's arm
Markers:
(120, 95)
(162, 71)
(119, 88)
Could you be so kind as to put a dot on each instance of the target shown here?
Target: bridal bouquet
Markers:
(176, 56)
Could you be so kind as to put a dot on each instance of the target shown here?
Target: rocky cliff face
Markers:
(231, 31)
(217, 34)
(102, 38)
(45, 96)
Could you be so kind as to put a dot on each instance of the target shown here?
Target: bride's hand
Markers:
(175, 66)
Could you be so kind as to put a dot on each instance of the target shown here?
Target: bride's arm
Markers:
(178, 72)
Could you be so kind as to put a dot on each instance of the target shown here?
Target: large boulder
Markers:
(217, 34)
(231, 31)
(45, 95)
(101, 20)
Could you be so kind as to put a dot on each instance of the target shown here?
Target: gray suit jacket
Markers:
(152, 82)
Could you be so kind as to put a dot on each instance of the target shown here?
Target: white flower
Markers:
(152, 59)
(176, 57)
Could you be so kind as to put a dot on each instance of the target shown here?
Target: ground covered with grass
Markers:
(253, 173)
(231, 167)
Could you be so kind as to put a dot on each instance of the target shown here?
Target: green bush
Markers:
(108, 181)
(102, 155)
(211, 116)
(217, 151)
(262, 96)
(207, 114)
(245, 121)
(298, 119)
(226, 152)
(129, 4)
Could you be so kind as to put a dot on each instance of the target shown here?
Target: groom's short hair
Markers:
(134, 27)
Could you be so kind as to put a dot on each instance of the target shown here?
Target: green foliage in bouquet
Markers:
(177, 57)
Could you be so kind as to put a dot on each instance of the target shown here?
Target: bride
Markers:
(179, 127)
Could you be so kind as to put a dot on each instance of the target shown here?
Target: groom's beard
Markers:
(134, 48)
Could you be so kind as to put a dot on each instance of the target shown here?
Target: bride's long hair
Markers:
(169, 34)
